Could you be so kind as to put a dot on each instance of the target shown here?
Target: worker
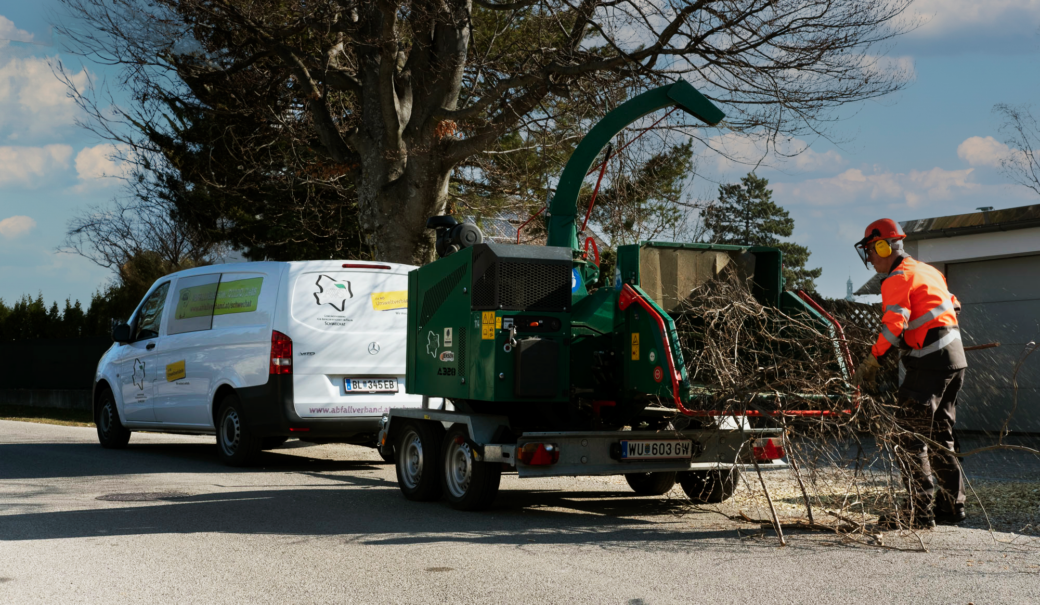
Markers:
(920, 322)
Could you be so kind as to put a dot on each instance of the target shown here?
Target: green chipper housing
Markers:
(543, 376)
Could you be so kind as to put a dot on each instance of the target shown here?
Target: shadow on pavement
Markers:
(46, 460)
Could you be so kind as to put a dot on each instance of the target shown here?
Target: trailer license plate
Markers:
(369, 385)
(656, 450)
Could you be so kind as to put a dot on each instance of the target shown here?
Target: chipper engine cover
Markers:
(492, 323)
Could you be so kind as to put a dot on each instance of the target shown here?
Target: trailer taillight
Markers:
(539, 454)
(767, 449)
(281, 353)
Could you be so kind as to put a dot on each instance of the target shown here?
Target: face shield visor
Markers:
(861, 250)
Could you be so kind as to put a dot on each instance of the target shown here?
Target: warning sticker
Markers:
(385, 301)
(658, 374)
(635, 346)
(487, 325)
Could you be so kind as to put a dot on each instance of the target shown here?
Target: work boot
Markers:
(906, 518)
(951, 517)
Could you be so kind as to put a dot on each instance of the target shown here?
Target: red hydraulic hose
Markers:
(533, 216)
(628, 296)
(837, 328)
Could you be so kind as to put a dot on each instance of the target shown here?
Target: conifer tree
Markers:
(745, 214)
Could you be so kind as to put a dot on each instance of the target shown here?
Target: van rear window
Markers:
(346, 301)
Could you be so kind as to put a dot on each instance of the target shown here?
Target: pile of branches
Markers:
(756, 365)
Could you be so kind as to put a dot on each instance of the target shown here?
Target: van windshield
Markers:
(350, 301)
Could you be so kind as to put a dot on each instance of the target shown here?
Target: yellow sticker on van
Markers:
(175, 371)
(386, 301)
(239, 296)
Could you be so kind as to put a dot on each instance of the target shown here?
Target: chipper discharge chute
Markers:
(545, 377)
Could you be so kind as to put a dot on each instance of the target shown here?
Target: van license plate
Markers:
(656, 450)
(369, 385)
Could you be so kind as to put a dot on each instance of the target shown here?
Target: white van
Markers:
(260, 352)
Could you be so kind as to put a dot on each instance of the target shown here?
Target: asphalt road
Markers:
(327, 524)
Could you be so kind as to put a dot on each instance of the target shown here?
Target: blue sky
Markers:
(929, 150)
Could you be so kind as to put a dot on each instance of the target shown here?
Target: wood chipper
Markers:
(548, 379)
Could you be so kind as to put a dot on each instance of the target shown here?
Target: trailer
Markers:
(548, 377)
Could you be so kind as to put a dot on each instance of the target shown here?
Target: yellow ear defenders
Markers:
(882, 248)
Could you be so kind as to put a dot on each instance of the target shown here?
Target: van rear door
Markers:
(348, 328)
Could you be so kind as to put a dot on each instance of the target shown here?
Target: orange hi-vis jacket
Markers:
(916, 300)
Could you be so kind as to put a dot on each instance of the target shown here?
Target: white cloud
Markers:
(102, 163)
(983, 151)
(915, 188)
(958, 26)
(944, 16)
(9, 32)
(16, 225)
(30, 166)
(32, 100)
(735, 151)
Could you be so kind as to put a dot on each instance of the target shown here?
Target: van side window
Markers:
(150, 315)
(237, 294)
(195, 298)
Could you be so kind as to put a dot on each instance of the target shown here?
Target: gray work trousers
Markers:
(928, 406)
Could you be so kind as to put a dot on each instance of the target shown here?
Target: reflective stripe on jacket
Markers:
(916, 300)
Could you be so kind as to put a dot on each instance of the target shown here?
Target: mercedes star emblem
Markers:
(373, 348)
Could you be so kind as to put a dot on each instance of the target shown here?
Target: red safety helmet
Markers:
(876, 236)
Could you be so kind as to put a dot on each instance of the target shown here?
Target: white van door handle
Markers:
(150, 346)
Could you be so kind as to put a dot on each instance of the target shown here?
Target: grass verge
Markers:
(58, 416)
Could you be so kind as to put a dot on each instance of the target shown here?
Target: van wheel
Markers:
(272, 443)
(236, 444)
(468, 484)
(651, 484)
(709, 487)
(417, 456)
(111, 433)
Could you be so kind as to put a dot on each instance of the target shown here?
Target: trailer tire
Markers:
(418, 457)
(468, 484)
(651, 484)
(709, 487)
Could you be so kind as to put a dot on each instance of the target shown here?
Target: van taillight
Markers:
(281, 353)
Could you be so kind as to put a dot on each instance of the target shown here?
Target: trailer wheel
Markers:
(417, 455)
(709, 487)
(468, 484)
(651, 484)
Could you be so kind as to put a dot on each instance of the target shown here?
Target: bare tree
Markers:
(1022, 134)
(113, 236)
(396, 94)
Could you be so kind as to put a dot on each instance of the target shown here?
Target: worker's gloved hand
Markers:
(867, 371)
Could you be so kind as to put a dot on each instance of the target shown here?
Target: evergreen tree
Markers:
(745, 214)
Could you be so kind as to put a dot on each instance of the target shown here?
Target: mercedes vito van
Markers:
(257, 353)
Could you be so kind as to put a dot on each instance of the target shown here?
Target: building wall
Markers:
(982, 246)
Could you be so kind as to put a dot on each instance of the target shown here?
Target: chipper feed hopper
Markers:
(544, 376)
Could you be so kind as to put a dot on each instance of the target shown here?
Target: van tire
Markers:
(468, 484)
(111, 432)
(709, 487)
(236, 444)
(272, 443)
(651, 484)
(418, 460)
